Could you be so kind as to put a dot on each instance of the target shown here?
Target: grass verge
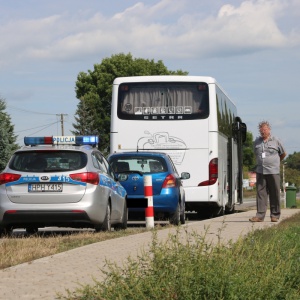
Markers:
(21, 249)
(263, 265)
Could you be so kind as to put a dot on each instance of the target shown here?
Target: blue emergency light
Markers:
(62, 140)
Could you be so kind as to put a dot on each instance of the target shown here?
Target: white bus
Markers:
(192, 119)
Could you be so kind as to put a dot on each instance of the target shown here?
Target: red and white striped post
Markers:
(149, 211)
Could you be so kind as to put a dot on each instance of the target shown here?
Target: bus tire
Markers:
(218, 212)
(229, 210)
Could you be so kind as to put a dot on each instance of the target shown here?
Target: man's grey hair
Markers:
(264, 123)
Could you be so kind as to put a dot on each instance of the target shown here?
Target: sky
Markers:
(252, 48)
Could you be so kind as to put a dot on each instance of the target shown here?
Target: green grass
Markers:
(263, 265)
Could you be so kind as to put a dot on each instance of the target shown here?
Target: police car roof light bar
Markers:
(87, 140)
(62, 140)
(41, 140)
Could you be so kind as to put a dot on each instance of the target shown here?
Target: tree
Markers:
(84, 118)
(292, 169)
(292, 176)
(293, 161)
(248, 153)
(7, 137)
(94, 91)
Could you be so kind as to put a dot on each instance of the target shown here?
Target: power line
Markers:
(44, 127)
(61, 115)
(38, 127)
(29, 111)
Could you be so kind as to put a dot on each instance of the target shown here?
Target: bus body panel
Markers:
(192, 144)
(178, 145)
(164, 78)
(159, 135)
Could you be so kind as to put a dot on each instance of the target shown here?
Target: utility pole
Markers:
(62, 122)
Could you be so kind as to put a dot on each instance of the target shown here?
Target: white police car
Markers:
(60, 181)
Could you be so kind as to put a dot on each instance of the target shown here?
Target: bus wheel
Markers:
(219, 212)
(230, 210)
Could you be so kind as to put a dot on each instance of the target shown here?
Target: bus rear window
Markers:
(163, 101)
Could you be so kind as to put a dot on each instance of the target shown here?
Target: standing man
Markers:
(269, 152)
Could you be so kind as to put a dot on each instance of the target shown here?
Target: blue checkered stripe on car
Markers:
(55, 178)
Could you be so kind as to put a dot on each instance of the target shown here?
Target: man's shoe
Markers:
(273, 219)
(255, 219)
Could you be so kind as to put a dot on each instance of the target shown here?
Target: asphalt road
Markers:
(247, 204)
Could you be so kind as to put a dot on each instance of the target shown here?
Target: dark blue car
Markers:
(168, 193)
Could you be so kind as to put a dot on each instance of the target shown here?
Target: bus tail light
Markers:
(213, 173)
(169, 182)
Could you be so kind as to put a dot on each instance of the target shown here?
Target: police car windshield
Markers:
(48, 161)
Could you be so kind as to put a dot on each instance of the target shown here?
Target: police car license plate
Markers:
(45, 187)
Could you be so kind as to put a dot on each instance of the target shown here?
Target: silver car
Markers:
(60, 181)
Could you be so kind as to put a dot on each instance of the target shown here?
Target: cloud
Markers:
(161, 30)
(252, 24)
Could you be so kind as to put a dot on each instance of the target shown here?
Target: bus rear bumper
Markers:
(197, 197)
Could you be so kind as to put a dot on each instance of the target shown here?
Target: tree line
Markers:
(7, 136)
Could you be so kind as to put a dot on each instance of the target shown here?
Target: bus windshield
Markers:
(163, 101)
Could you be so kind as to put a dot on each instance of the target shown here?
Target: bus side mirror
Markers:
(243, 129)
(239, 130)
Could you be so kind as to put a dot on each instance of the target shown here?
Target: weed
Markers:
(263, 265)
